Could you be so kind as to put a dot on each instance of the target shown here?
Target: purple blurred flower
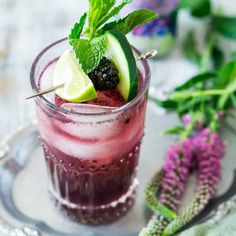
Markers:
(186, 119)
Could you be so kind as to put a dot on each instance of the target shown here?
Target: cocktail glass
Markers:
(91, 152)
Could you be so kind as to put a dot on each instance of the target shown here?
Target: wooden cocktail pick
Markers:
(148, 55)
(46, 91)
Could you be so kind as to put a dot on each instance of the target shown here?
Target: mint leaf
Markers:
(89, 53)
(91, 49)
(108, 4)
(78, 28)
(225, 25)
(128, 23)
(113, 12)
(96, 9)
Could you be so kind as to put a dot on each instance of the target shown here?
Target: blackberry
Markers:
(105, 76)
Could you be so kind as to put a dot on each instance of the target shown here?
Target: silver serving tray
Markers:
(27, 210)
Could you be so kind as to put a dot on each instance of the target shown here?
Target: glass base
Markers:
(96, 215)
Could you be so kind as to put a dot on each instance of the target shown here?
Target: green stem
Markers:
(178, 96)
(214, 124)
(151, 199)
(91, 34)
(197, 117)
(187, 132)
(201, 93)
(231, 88)
(206, 57)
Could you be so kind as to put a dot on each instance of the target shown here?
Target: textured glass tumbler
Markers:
(91, 154)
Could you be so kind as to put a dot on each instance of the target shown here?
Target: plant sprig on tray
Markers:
(201, 103)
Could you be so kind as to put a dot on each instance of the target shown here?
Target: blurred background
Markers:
(26, 27)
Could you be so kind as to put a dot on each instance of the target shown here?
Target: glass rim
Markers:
(63, 110)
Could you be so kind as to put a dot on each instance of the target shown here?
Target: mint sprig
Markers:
(78, 28)
(113, 12)
(131, 21)
(90, 48)
(89, 52)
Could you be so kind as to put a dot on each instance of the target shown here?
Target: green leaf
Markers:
(198, 8)
(195, 5)
(89, 53)
(90, 50)
(107, 6)
(190, 48)
(175, 130)
(202, 9)
(191, 104)
(227, 81)
(167, 104)
(227, 73)
(225, 25)
(78, 28)
(113, 12)
(196, 79)
(128, 23)
(188, 3)
(96, 9)
(218, 58)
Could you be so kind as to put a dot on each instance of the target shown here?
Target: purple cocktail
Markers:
(91, 148)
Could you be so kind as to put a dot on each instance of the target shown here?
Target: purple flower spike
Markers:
(202, 152)
(177, 168)
(210, 149)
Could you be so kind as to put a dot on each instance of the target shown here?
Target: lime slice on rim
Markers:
(77, 85)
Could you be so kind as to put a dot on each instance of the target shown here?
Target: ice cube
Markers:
(91, 126)
(85, 108)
